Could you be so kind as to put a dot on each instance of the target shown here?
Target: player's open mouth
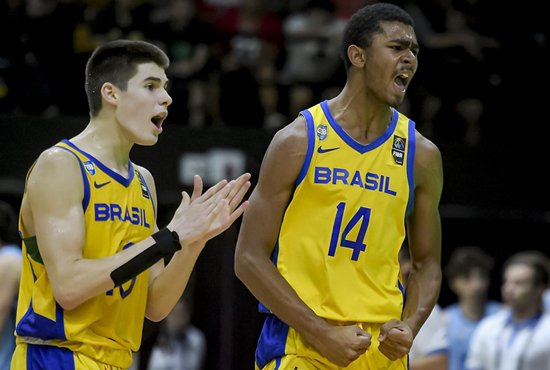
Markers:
(159, 118)
(402, 80)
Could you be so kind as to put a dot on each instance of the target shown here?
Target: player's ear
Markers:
(109, 93)
(356, 56)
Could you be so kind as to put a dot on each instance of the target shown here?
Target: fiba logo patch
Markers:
(89, 166)
(322, 132)
(398, 149)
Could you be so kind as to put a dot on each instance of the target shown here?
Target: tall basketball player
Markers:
(93, 255)
(338, 189)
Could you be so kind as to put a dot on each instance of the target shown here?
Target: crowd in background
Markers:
(268, 58)
(256, 64)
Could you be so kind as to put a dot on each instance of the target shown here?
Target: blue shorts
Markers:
(39, 357)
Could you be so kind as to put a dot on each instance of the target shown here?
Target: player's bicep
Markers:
(280, 169)
(424, 224)
(55, 193)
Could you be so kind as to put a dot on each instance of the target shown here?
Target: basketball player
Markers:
(337, 191)
(93, 255)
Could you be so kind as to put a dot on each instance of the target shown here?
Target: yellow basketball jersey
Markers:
(118, 213)
(342, 231)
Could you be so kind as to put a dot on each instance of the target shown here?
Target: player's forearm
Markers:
(167, 287)
(74, 281)
(422, 292)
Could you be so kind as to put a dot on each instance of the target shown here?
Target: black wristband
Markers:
(168, 241)
(166, 244)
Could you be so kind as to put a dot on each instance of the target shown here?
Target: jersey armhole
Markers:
(142, 178)
(310, 145)
(411, 150)
(86, 198)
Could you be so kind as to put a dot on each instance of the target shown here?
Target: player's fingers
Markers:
(240, 182)
(213, 190)
(238, 212)
(185, 200)
(384, 329)
(389, 352)
(219, 196)
(197, 188)
(239, 193)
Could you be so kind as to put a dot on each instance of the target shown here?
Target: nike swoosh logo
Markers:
(97, 186)
(321, 150)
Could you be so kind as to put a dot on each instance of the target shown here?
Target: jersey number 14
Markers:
(357, 245)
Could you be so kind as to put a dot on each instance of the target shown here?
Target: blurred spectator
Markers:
(120, 19)
(468, 276)
(430, 346)
(10, 272)
(453, 51)
(248, 65)
(180, 345)
(313, 69)
(518, 337)
(188, 41)
(12, 54)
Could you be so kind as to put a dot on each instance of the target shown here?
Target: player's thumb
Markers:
(384, 330)
(362, 333)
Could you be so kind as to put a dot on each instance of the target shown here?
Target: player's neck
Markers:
(102, 139)
(361, 117)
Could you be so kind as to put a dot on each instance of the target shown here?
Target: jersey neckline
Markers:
(351, 141)
(115, 176)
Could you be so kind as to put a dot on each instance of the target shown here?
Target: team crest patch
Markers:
(398, 149)
(322, 132)
(89, 166)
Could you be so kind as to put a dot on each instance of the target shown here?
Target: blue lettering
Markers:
(387, 188)
(113, 211)
(340, 174)
(371, 182)
(322, 175)
(326, 175)
(357, 179)
(116, 211)
(135, 216)
(101, 211)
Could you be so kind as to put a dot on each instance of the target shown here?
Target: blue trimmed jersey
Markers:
(118, 212)
(342, 231)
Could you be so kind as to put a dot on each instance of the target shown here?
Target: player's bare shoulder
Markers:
(427, 163)
(292, 139)
(285, 156)
(54, 179)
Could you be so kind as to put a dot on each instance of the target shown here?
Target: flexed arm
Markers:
(280, 169)
(424, 236)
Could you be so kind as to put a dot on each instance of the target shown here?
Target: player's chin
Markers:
(148, 140)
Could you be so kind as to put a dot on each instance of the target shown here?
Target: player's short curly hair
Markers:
(116, 62)
(465, 259)
(366, 22)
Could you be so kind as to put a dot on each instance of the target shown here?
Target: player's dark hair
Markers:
(366, 22)
(538, 261)
(116, 62)
(464, 260)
